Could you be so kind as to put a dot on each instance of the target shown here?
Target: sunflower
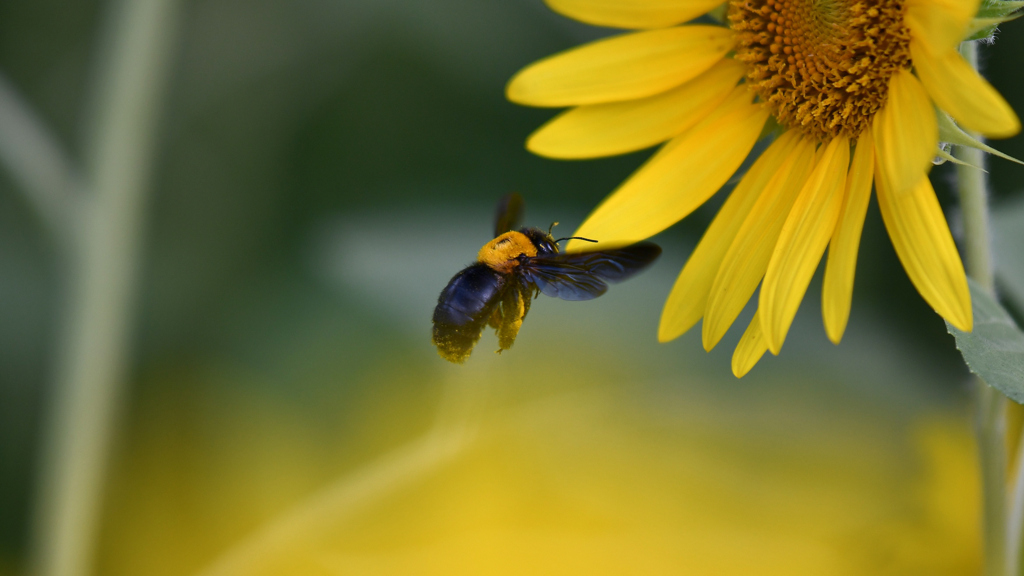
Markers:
(853, 92)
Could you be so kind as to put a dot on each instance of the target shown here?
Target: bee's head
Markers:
(545, 243)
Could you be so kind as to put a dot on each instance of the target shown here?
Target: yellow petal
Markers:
(620, 127)
(963, 93)
(837, 288)
(802, 242)
(633, 13)
(939, 25)
(747, 259)
(689, 296)
(624, 67)
(680, 177)
(751, 347)
(925, 247)
(906, 133)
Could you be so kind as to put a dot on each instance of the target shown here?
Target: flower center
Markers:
(822, 65)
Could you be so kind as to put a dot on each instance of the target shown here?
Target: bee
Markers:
(513, 269)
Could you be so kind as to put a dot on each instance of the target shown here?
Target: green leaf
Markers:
(995, 349)
(998, 8)
(983, 28)
(953, 134)
(941, 157)
(992, 13)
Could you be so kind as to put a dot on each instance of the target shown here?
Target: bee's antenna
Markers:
(553, 224)
(575, 238)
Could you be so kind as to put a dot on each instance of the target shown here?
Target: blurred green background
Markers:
(323, 167)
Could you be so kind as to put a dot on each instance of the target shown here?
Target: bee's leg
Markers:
(527, 298)
(495, 320)
(514, 308)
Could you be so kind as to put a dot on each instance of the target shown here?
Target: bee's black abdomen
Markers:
(467, 295)
(463, 309)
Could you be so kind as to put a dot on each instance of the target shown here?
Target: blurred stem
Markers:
(990, 430)
(270, 549)
(990, 404)
(973, 185)
(103, 261)
(40, 168)
(1015, 523)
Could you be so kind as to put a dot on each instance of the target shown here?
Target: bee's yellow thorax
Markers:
(501, 253)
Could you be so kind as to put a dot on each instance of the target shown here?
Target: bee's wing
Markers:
(510, 213)
(584, 275)
(562, 280)
(618, 264)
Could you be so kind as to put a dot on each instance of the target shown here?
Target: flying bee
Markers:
(513, 269)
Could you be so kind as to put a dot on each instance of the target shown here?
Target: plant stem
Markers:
(1015, 522)
(93, 352)
(973, 186)
(990, 404)
(990, 430)
(39, 166)
(456, 427)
